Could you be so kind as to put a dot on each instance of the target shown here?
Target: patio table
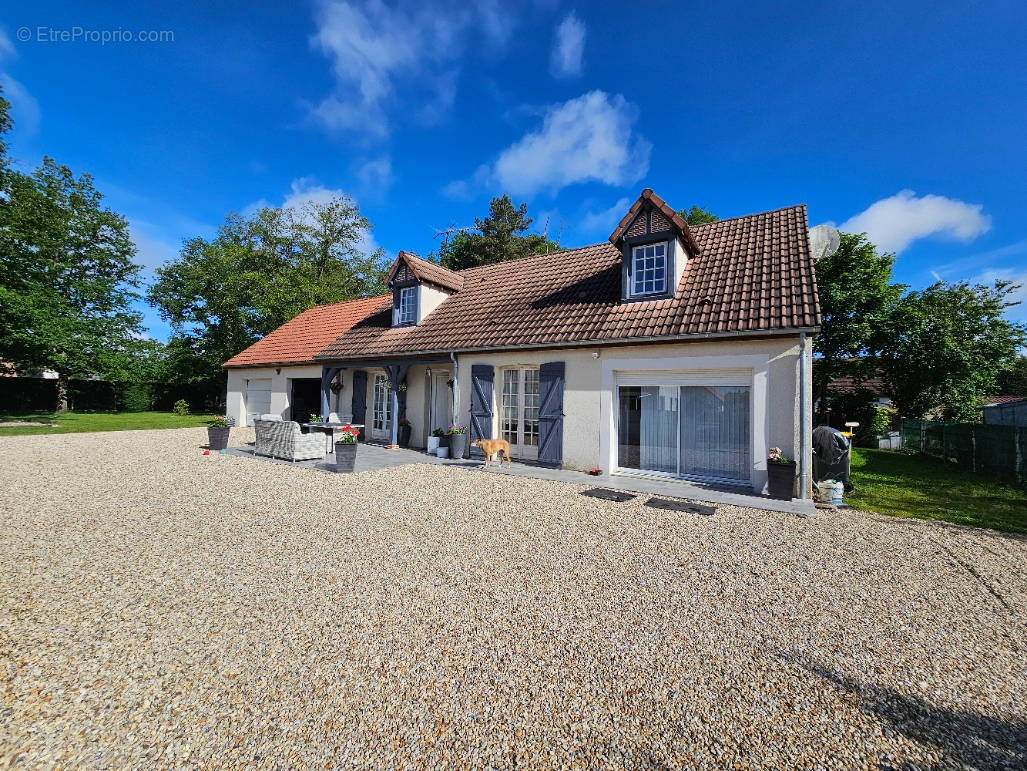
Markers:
(329, 429)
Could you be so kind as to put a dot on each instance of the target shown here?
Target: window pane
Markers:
(509, 415)
(648, 428)
(715, 433)
(531, 407)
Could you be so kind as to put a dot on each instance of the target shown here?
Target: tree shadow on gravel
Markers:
(963, 738)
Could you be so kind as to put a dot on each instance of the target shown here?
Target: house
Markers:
(668, 350)
(1005, 411)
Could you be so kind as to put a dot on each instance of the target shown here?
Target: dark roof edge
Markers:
(591, 343)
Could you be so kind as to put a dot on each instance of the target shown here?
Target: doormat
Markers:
(608, 495)
(691, 508)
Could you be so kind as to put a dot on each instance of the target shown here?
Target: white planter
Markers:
(442, 452)
(433, 444)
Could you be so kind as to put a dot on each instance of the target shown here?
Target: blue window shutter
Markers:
(482, 387)
(360, 398)
(551, 378)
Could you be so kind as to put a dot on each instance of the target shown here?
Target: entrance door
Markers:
(381, 409)
(306, 398)
(441, 405)
(518, 415)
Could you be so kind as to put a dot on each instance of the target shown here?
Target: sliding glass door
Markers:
(686, 430)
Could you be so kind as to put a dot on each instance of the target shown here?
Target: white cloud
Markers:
(377, 50)
(587, 139)
(152, 248)
(376, 174)
(605, 220)
(896, 222)
(24, 107)
(568, 47)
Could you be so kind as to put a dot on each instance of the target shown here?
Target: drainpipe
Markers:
(803, 376)
(456, 386)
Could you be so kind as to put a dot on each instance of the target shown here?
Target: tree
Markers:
(947, 346)
(498, 237)
(856, 301)
(1013, 382)
(258, 272)
(67, 277)
(697, 215)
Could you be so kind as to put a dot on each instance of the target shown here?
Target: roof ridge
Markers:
(754, 214)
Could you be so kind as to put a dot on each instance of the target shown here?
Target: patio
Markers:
(372, 457)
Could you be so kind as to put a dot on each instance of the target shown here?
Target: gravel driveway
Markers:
(162, 607)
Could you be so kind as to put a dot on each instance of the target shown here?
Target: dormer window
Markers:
(649, 269)
(407, 305)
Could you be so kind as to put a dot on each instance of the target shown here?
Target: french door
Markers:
(701, 431)
(381, 409)
(518, 412)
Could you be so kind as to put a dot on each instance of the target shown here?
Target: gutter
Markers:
(803, 377)
(456, 385)
(590, 343)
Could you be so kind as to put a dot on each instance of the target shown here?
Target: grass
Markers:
(910, 485)
(80, 422)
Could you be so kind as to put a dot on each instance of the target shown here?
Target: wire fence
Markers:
(995, 451)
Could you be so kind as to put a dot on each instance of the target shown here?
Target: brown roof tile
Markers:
(752, 274)
(296, 341)
(430, 272)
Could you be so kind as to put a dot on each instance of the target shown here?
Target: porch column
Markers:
(327, 373)
(397, 374)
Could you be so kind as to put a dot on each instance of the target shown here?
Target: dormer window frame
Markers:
(672, 253)
(407, 305)
(661, 265)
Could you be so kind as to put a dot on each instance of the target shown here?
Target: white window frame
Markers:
(636, 271)
(405, 293)
(520, 450)
(712, 370)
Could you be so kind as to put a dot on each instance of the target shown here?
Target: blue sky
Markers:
(902, 119)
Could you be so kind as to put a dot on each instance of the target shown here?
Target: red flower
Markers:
(346, 427)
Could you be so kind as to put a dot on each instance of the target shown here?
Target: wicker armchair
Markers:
(284, 439)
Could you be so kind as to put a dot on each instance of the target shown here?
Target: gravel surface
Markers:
(160, 607)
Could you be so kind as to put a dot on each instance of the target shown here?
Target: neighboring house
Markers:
(668, 350)
(1006, 411)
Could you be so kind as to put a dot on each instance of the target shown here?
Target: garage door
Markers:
(258, 397)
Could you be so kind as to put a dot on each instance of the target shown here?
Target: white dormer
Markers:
(418, 288)
(655, 245)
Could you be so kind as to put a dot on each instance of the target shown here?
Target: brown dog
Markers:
(491, 448)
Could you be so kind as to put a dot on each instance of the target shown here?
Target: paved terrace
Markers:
(371, 457)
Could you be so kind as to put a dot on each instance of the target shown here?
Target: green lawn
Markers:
(79, 422)
(910, 485)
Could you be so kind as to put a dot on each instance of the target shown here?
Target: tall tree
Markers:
(857, 297)
(1013, 382)
(257, 273)
(946, 347)
(697, 215)
(500, 236)
(67, 278)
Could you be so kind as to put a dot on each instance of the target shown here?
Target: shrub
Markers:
(135, 397)
(181, 407)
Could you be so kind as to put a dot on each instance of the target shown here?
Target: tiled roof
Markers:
(753, 274)
(993, 401)
(296, 341)
(430, 272)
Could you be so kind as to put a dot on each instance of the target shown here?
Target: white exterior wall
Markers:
(428, 299)
(588, 430)
(281, 390)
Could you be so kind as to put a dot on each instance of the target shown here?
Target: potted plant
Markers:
(457, 440)
(346, 448)
(218, 430)
(780, 475)
(404, 432)
(314, 418)
(434, 439)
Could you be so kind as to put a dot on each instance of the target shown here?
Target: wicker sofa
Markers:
(284, 439)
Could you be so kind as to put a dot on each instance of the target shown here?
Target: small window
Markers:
(649, 269)
(408, 305)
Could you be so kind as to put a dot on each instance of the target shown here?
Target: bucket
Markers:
(830, 492)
